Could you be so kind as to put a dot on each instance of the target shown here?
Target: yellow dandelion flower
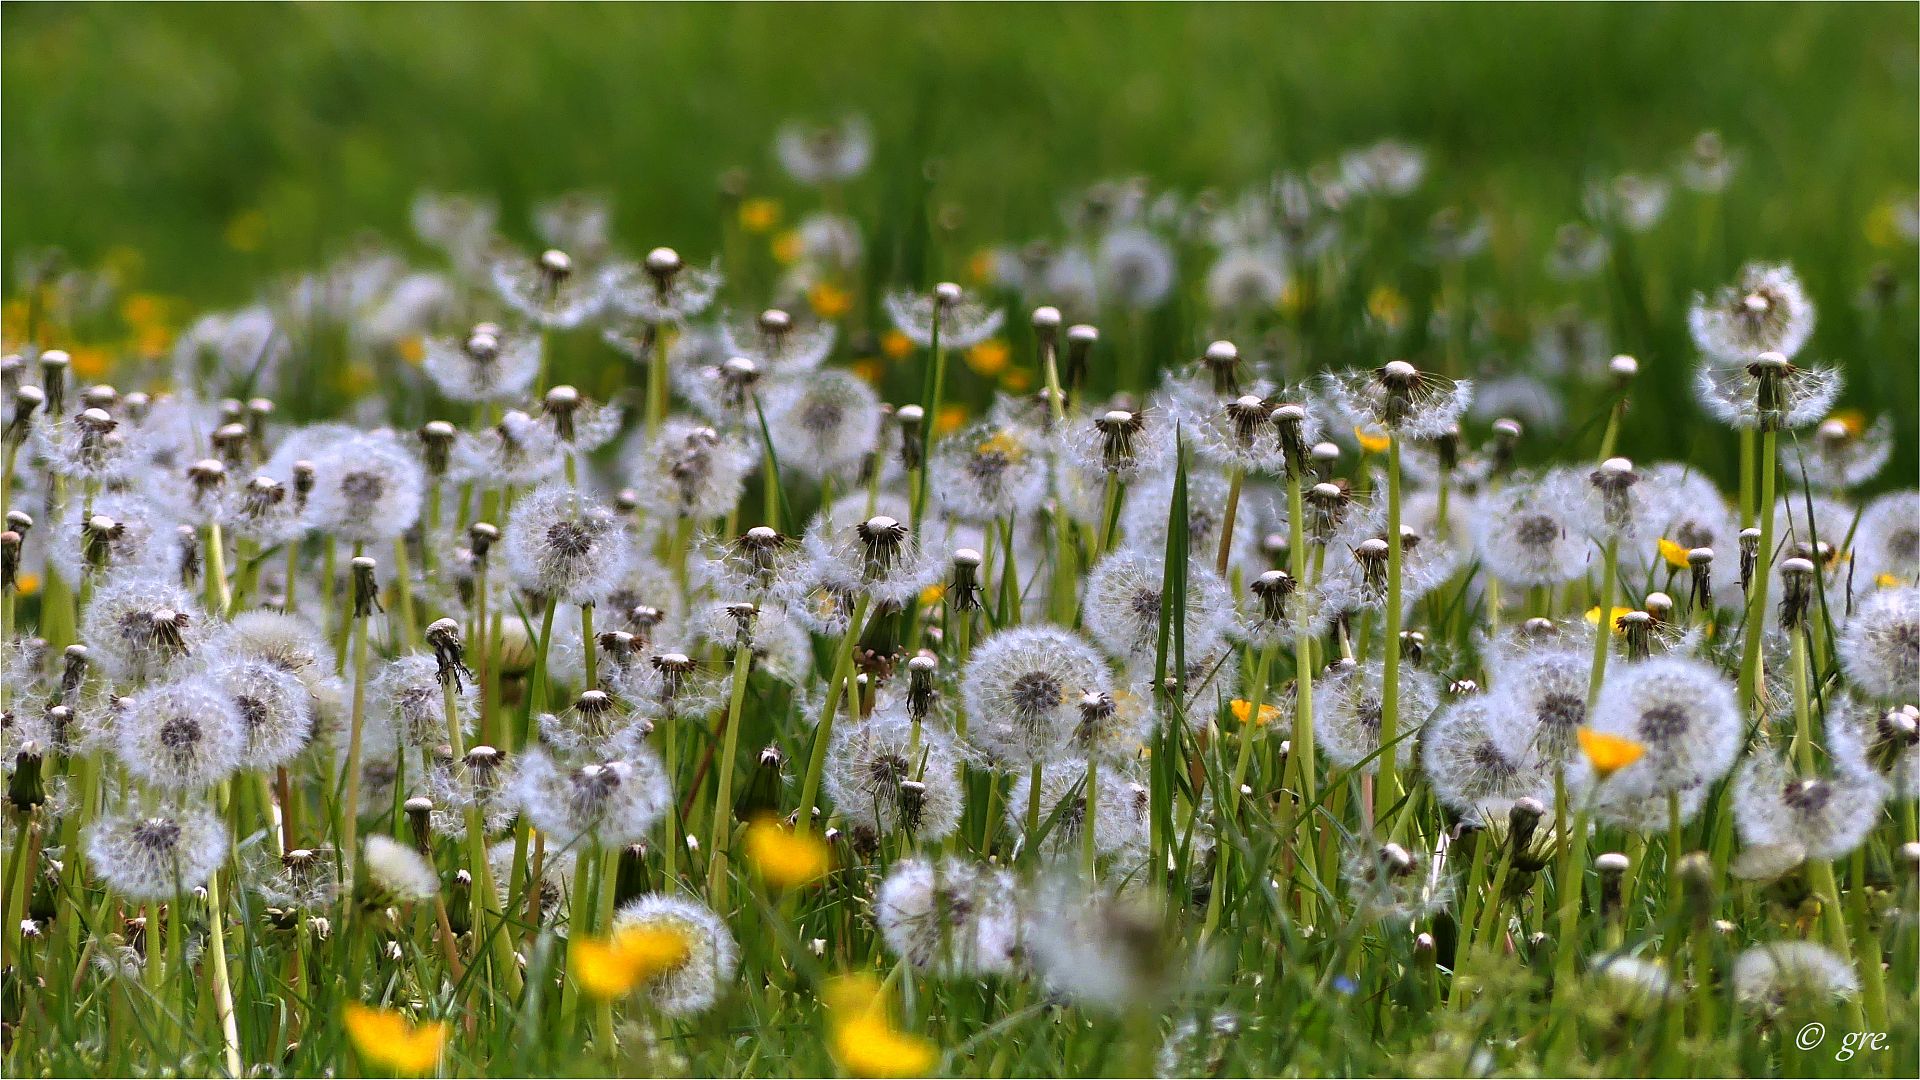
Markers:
(1674, 553)
(1372, 441)
(1853, 420)
(354, 379)
(1386, 304)
(602, 970)
(868, 1046)
(90, 362)
(1883, 581)
(1017, 381)
(829, 301)
(757, 215)
(152, 340)
(412, 349)
(786, 247)
(980, 265)
(1613, 619)
(896, 345)
(1242, 708)
(609, 969)
(1290, 297)
(785, 858)
(870, 370)
(27, 583)
(1608, 754)
(143, 309)
(951, 417)
(386, 1039)
(1004, 444)
(932, 595)
(989, 358)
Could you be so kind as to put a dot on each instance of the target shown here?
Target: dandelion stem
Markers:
(1225, 553)
(222, 984)
(1751, 667)
(1389, 787)
(219, 595)
(823, 732)
(1603, 632)
(723, 782)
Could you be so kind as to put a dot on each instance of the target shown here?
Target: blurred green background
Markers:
(154, 129)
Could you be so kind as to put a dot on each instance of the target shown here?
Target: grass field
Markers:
(1413, 741)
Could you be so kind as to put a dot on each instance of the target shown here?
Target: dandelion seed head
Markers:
(1879, 645)
(399, 871)
(605, 804)
(1348, 700)
(157, 857)
(1022, 689)
(1122, 601)
(1766, 310)
(566, 545)
(1780, 974)
(887, 776)
(712, 958)
(950, 916)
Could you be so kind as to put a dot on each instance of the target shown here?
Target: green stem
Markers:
(1603, 633)
(723, 785)
(1390, 683)
(1751, 669)
(823, 732)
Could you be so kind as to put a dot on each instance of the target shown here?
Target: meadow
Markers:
(989, 540)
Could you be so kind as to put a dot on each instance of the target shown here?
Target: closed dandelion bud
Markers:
(1399, 379)
(366, 591)
(1222, 362)
(1413, 646)
(304, 478)
(436, 438)
(963, 594)
(920, 691)
(1081, 339)
(1425, 952)
(661, 264)
(1327, 506)
(631, 880)
(73, 671)
(1046, 329)
(1697, 886)
(27, 401)
(25, 789)
(1796, 600)
(1660, 607)
(259, 412)
(231, 410)
(230, 442)
(187, 555)
(443, 635)
(1119, 439)
(19, 521)
(1446, 448)
(1749, 557)
(1613, 479)
(1326, 458)
(419, 811)
(1636, 628)
(1623, 368)
(1289, 422)
(1523, 819)
(481, 536)
(1273, 589)
(555, 267)
(9, 559)
(910, 418)
(53, 376)
(1506, 439)
(1371, 554)
(1612, 868)
(1275, 546)
(761, 795)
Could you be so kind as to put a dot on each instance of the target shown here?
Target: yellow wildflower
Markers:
(989, 358)
(1387, 306)
(412, 349)
(951, 417)
(980, 265)
(1372, 441)
(613, 968)
(1887, 581)
(27, 583)
(90, 362)
(1608, 754)
(1017, 381)
(1613, 620)
(896, 345)
(1674, 553)
(867, 1046)
(386, 1039)
(932, 595)
(1853, 420)
(829, 301)
(1242, 708)
(786, 248)
(784, 857)
(757, 215)
(870, 370)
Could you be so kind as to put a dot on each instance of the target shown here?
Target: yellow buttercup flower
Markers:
(989, 358)
(1608, 754)
(757, 215)
(785, 858)
(1242, 708)
(1674, 553)
(829, 301)
(1373, 442)
(932, 595)
(385, 1038)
